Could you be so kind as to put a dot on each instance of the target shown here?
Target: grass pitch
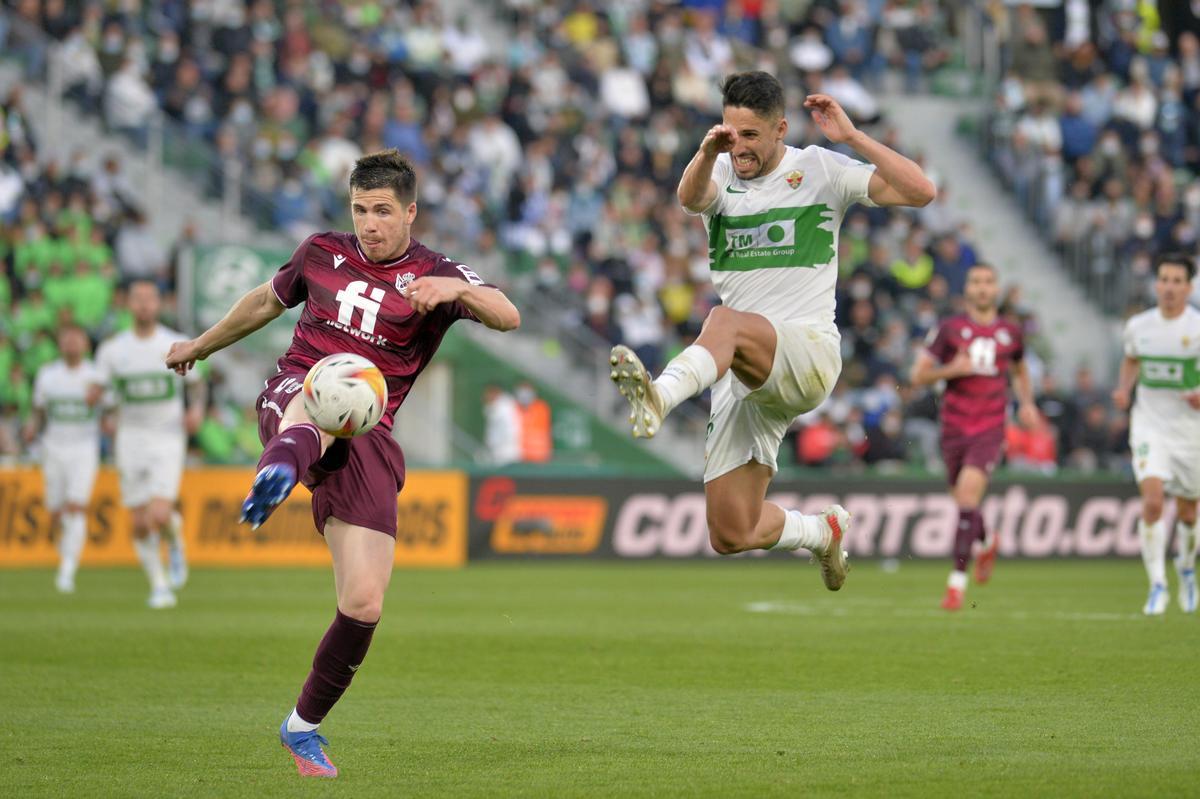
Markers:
(723, 679)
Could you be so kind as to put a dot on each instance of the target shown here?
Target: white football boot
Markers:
(834, 560)
(633, 381)
(1156, 603)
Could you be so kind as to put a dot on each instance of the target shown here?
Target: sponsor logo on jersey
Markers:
(338, 260)
(794, 178)
(355, 297)
(780, 238)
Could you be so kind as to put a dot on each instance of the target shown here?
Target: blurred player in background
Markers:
(380, 294)
(151, 440)
(771, 350)
(975, 353)
(1162, 357)
(67, 416)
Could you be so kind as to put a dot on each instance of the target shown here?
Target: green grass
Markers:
(609, 680)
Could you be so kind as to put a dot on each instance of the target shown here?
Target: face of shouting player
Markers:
(759, 146)
(1172, 288)
(382, 222)
(981, 289)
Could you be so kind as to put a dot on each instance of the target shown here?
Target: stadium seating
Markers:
(549, 139)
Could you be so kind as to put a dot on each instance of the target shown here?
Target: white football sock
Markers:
(958, 580)
(686, 375)
(174, 532)
(802, 532)
(70, 545)
(1154, 550)
(148, 554)
(297, 724)
(1186, 536)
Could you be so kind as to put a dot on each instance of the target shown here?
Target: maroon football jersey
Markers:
(979, 401)
(352, 304)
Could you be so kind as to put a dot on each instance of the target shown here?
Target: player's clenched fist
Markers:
(719, 139)
(426, 293)
(182, 356)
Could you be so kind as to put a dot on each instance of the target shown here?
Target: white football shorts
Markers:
(748, 425)
(69, 474)
(1174, 459)
(150, 466)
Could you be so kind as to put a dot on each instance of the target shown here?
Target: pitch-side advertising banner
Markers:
(891, 518)
(432, 527)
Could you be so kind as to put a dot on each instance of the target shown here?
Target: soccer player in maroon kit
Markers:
(376, 293)
(975, 353)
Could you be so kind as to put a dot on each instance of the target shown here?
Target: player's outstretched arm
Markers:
(897, 180)
(696, 188)
(489, 305)
(258, 307)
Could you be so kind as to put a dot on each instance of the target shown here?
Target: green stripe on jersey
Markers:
(146, 387)
(69, 410)
(776, 239)
(1179, 373)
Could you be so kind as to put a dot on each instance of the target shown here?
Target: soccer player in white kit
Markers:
(771, 350)
(1162, 357)
(70, 428)
(151, 440)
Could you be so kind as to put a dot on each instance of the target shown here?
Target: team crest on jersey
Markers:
(1187, 340)
(966, 334)
(794, 178)
(402, 282)
(1003, 338)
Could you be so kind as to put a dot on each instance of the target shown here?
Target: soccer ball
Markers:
(345, 394)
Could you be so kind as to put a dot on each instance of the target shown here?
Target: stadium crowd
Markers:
(550, 137)
(1096, 128)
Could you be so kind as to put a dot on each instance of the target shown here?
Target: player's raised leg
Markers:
(744, 342)
(969, 487)
(296, 445)
(1185, 559)
(740, 519)
(362, 568)
(1153, 534)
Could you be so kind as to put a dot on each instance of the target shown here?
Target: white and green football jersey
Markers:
(773, 240)
(1168, 351)
(61, 392)
(148, 396)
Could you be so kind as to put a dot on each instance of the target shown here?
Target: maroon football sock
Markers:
(970, 525)
(339, 655)
(299, 446)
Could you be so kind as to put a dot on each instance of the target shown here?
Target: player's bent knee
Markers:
(366, 607)
(728, 539)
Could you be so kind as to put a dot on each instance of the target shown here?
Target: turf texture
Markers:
(722, 679)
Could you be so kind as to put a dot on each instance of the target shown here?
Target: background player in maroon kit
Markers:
(975, 353)
(376, 293)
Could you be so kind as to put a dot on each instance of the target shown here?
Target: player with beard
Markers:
(771, 350)
(975, 354)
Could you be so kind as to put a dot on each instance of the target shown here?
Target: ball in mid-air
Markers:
(345, 394)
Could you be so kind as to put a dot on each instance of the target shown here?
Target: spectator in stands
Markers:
(502, 426)
(537, 440)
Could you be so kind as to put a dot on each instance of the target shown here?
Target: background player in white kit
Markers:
(1162, 356)
(771, 350)
(151, 440)
(70, 426)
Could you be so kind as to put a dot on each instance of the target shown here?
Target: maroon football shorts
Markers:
(981, 450)
(356, 480)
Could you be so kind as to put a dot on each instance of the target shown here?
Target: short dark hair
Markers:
(759, 91)
(983, 265)
(386, 169)
(1175, 259)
